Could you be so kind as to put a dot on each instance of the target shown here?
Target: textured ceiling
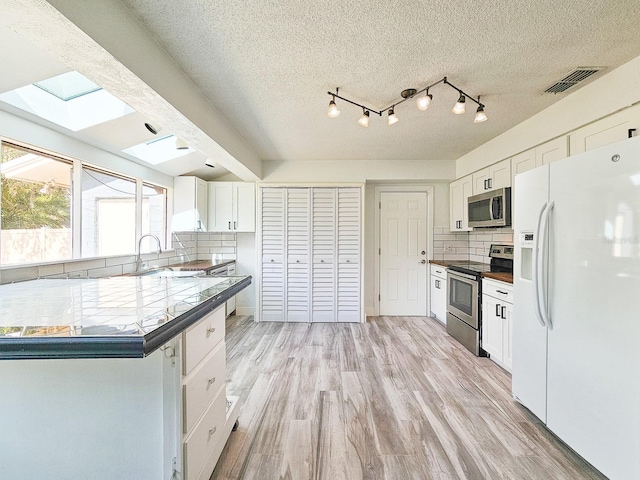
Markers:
(267, 65)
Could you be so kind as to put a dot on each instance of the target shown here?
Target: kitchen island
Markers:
(114, 378)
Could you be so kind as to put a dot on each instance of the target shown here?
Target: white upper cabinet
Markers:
(232, 207)
(189, 205)
(459, 192)
(494, 176)
(548, 152)
(611, 129)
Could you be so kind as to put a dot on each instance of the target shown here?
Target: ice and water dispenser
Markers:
(526, 255)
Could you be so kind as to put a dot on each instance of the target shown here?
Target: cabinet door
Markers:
(492, 327)
(348, 245)
(297, 247)
(459, 192)
(500, 175)
(272, 293)
(523, 162)
(481, 180)
(202, 203)
(220, 206)
(611, 129)
(187, 205)
(552, 151)
(439, 298)
(323, 252)
(244, 207)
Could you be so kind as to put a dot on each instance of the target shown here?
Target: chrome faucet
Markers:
(138, 260)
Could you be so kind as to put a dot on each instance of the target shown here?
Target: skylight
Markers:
(158, 150)
(68, 86)
(69, 100)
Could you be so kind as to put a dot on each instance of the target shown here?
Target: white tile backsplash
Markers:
(191, 246)
(473, 246)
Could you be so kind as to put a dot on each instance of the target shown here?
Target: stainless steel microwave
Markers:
(490, 209)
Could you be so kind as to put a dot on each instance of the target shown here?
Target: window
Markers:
(154, 214)
(35, 206)
(37, 218)
(108, 214)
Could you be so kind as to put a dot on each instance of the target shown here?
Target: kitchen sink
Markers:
(169, 272)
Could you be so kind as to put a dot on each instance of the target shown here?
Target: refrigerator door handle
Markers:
(543, 278)
(535, 271)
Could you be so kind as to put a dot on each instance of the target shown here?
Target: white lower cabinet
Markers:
(206, 421)
(497, 321)
(439, 293)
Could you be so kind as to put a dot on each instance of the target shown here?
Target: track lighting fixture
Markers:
(333, 110)
(364, 119)
(480, 115)
(459, 107)
(393, 118)
(422, 103)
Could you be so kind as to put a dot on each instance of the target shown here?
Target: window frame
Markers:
(77, 167)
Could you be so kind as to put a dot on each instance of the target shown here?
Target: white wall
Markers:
(614, 91)
(24, 131)
(371, 173)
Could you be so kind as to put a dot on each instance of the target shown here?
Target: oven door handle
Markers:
(535, 271)
(460, 274)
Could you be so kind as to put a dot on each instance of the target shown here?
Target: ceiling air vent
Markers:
(578, 75)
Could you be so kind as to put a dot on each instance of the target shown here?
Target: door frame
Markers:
(429, 190)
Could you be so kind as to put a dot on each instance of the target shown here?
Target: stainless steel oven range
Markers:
(464, 296)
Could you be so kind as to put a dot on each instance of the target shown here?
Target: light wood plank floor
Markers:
(395, 398)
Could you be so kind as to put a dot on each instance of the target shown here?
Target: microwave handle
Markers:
(491, 208)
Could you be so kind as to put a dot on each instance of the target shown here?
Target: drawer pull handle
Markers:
(212, 431)
(211, 330)
(212, 381)
(503, 293)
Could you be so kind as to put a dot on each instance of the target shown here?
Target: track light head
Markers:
(333, 110)
(480, 115)
(459, 107)
(424, 102)
(364, 119)
(393, 118)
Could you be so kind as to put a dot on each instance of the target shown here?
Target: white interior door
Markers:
(403, 253)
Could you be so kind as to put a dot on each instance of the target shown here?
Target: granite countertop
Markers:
(500, 276)
(442, 263)
(119, 317)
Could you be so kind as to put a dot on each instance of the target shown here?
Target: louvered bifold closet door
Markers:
(273, 229)
(298, 230)
(323, 246)
(348, 279)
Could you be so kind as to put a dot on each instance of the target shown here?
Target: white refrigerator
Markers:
(576, 327)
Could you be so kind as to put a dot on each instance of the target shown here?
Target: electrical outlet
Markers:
(448, 248)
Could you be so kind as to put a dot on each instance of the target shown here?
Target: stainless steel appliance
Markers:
(464, 308)
(490, 209)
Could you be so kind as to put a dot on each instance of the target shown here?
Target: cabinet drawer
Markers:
(202, 440)
(438, 271)
(200, 339)
(202, 386)
(500, 290)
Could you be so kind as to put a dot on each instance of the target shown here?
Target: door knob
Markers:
(423, 252)
(423, 261)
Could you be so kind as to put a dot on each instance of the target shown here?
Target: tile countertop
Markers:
(119, 317)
